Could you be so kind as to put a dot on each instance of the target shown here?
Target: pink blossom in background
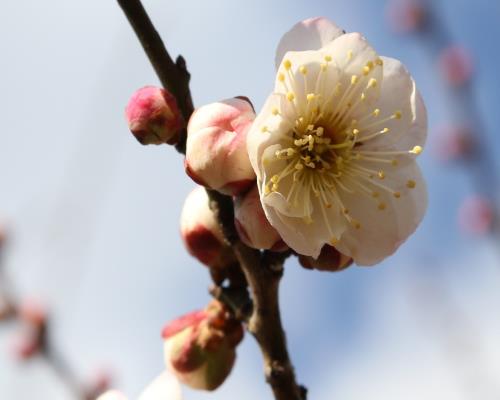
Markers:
(476, 215)
(456, 65)
(453, 142)
(406, 16)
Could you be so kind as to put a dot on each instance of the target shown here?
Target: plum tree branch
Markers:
(263, 271)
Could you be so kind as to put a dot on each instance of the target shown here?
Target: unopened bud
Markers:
(216, 151)
(252, 225)
(200, 348)
(153, 116)
(201, 232)
(476, 215)
(456, 65)
(330, 259)
(406, 16)
(454, 142)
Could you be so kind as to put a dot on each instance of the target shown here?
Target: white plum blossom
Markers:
(216, 152)
(334, 146)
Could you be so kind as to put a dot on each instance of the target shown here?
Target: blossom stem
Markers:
(263, 272)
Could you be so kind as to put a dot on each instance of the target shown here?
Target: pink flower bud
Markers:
(252, 225)
(200, 347)
(153, 116)
(201, 232)
(26, 343)
(33, 312)
(406, 16)
(455, 142)
(456, 65)
(330, 259)
(476, 215)
(216, 151)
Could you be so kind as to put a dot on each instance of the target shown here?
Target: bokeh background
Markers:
(92, 216)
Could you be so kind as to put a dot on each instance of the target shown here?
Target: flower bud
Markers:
(406, 16)
(454, 143)
(216, 151)
(252, 225)
(201, 232)
(153, 116)
(330, 259)
(200, 347)
(476, 215)
(456, 65)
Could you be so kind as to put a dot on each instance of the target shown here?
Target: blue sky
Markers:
(95, 215)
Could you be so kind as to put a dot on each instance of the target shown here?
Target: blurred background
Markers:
(91, 217)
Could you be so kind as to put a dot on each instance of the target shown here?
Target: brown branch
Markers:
(263, 273)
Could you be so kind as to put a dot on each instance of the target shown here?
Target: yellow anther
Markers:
(411, 184)
(290, 152)
(372, 83)
(356, 224)
(379, 62)
(394, 163)
(355, 132)
(290, 96)
(287, 64)
(334, 241)
(323, 66)
(281, 77)
(275, 111)
(275, 187)
(310, 97)
(267, 190)
(328, 205)
(381, 174)
(345, 211)
(385, 130)
(366, 70)
(275, 179)
(264, 129)
(376, 112)
(303, 70)
(369, 64)
(397, 195)
(299, 166)
(350, 53)
(354, 79)
(381, 206)
(397, 115)
(416, 150)
(319, 131)
(363, 96)
(328, 58)
(375, 194)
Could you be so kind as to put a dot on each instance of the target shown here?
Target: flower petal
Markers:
(310, 34)
(164, 387)
(381, 232)
(307, 238)
(398, 95)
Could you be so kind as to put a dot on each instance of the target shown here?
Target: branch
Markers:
(262, 274)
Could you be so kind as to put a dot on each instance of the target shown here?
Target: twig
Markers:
(263, 274)
(44, 347)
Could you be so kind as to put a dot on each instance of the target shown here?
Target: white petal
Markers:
(310, 34)
(398, 94)
(112, 395)
(265, 131)
(164, 387)
(383, 231)
(307, 238)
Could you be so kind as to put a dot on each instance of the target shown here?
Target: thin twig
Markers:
(263, 274)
